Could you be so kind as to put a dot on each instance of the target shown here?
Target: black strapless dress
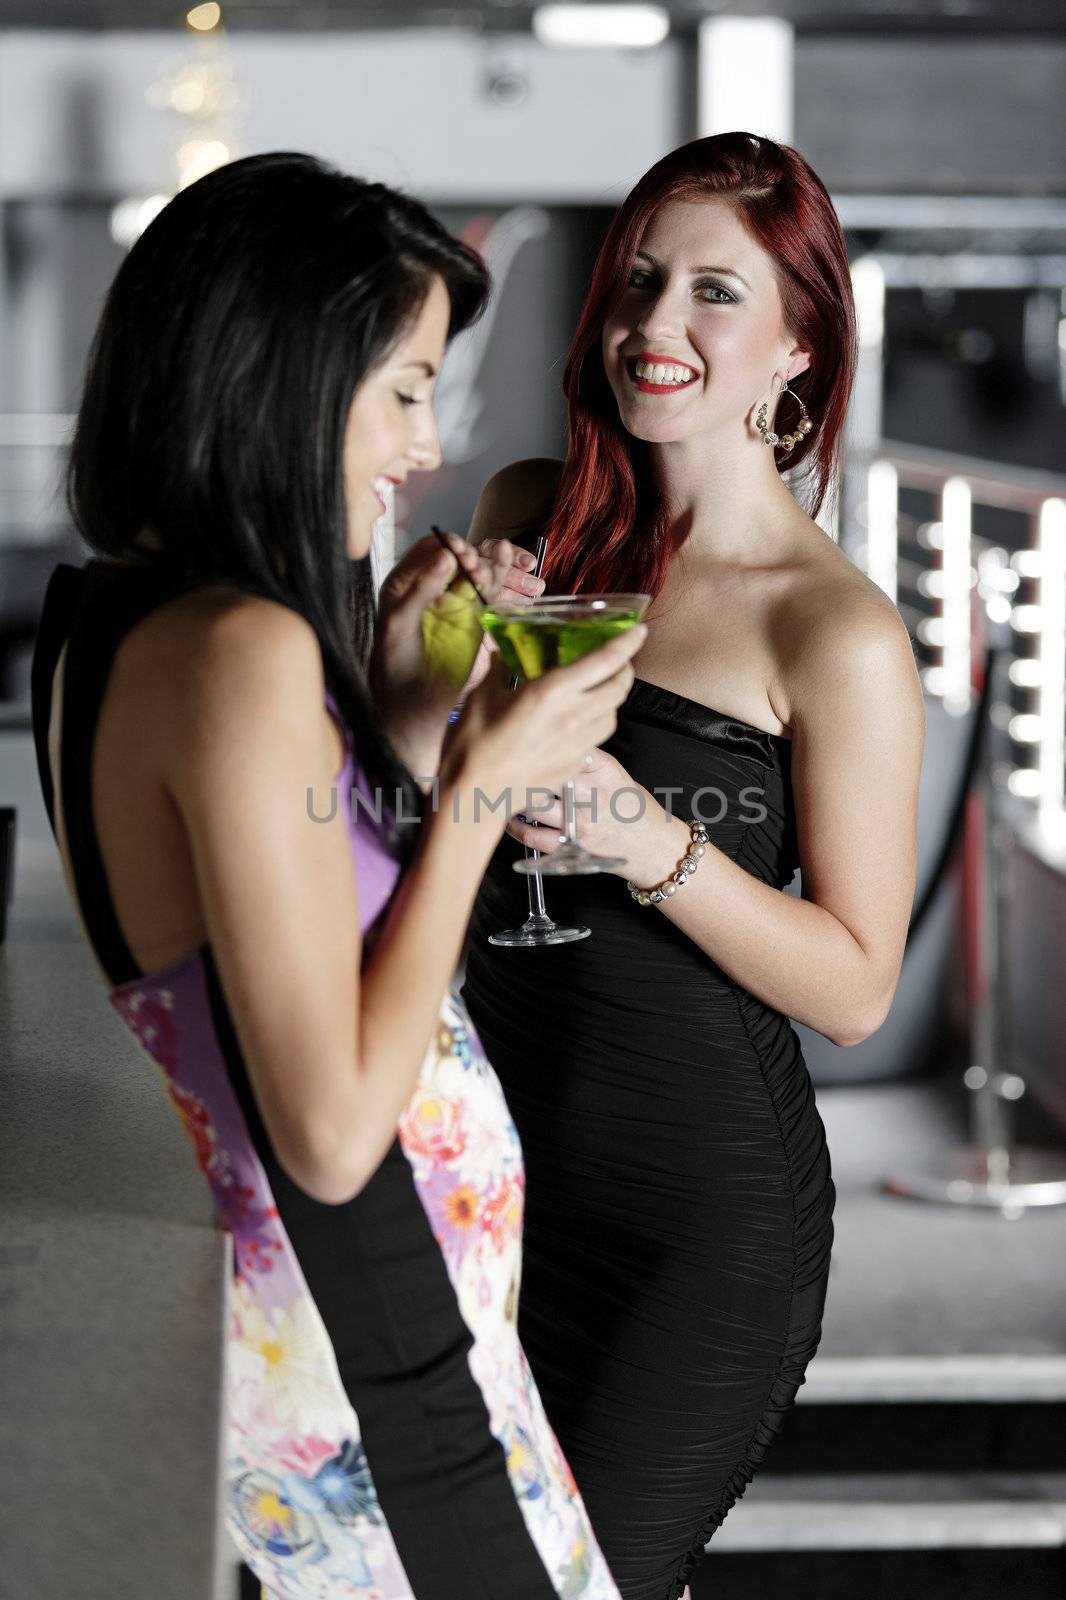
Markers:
(679, 1199)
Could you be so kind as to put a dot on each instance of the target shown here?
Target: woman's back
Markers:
(142, 717)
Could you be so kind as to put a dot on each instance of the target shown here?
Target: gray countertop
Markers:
(112, 1274)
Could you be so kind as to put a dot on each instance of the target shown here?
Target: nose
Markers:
(660, 316)
(424, 451)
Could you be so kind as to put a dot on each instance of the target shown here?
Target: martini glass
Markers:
(539, 928)
(553, 632)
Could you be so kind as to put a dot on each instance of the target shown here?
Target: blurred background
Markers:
(928, 1452)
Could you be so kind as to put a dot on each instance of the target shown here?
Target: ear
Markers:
(798, 361)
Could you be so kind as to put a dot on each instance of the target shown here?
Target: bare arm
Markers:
(516, 502)
(332, 1055)
(832, 959)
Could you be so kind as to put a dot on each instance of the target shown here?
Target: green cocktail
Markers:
(534, 639)
(553, 632)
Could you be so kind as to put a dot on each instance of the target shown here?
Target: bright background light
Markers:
(632, 27)
(746, 76)
(204, 18)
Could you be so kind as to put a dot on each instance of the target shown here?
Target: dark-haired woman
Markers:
(264, 366)
(678, 1222)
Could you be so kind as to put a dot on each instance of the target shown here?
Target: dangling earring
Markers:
(784, 441)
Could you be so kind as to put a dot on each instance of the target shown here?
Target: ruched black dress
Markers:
(679, 1200)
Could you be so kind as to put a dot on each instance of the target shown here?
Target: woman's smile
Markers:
(650, 373)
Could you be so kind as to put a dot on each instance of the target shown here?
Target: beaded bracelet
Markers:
(685, 868)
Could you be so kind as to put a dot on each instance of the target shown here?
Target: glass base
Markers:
(570, 861)
(537, 931)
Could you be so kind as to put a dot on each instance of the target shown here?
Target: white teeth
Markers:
(663, 372)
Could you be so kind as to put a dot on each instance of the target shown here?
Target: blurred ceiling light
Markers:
(868, 285)
(1026, 619)
(1024, 673)
(188, 95)
(1003, 578)
(197, 157)
(1024, 782)
(631, 27)
(1027, 563)
(199, 89)
(1024, 728)
(882, 500)
(745, 75)
(130, 217)
(1052, 658)
(204, 18)
(955, 515)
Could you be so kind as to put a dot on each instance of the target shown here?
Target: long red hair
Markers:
(608, 531)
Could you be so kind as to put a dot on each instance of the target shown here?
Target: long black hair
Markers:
(218, 388)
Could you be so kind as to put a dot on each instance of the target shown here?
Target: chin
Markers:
(648, 431)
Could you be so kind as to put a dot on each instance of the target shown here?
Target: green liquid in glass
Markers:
(533, 642)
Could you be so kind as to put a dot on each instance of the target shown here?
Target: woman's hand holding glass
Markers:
(615, 816)
(415, 692)
(514, 742)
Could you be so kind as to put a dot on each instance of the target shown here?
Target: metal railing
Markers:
(934, 566)
(978, 607)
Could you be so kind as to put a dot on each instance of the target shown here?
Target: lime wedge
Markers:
(451, 635)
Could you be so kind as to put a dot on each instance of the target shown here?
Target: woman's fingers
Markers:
(513, 554)
(524, 596)
(545, 839)
(409, 589)
(511, 581)
(539, 809)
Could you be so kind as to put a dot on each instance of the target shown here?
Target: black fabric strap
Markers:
(90, 610)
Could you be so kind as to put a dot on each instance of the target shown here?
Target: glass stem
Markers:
(537, 908)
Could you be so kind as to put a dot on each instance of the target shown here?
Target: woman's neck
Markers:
(727, 504)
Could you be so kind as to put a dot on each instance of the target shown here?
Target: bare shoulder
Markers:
(516, 499)
(222, 664)
(251, 641)
(839, 637)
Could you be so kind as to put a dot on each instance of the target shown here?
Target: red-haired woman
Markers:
(680, 1199)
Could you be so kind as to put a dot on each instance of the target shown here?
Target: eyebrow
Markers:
(423, 366)
(723, 272)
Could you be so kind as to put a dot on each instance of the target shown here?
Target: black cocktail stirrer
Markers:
(442, 539)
